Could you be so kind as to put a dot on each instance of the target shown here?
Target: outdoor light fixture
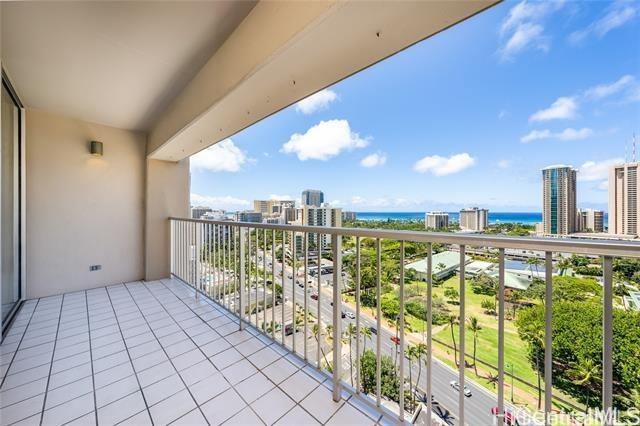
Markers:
(96, 148)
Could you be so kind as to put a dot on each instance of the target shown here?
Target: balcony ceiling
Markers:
(114, 63)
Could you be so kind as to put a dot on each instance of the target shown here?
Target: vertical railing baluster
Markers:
(249, 275)
(500, 416)
(461, 330)
(273, 284)
(378, 324)
(400, 327)
(548, 337)
(319, 312)
(429, 329)
(607, 340)
(282, 283)
(216, 287)
(357, 277)
(243, 235)
(306, 296)
(293, 290)
(229, 263)
(264, 280)
(336, 247)
(257, 275)
(224, 267)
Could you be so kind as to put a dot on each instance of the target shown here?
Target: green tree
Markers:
(351, 332)
(453, 320)
(366, 335)
(452, 294)
(317, 333)
(585, 372)
(474, 327)
(389, 383)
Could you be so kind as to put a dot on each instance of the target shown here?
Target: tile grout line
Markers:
(19, 343)
(282, 356)
(53, 353)
(276, 386)
(165, 352)
(93, 377)
(106, 290)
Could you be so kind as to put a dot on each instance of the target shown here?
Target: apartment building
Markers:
(559, 200)
(312, 197)
(349, 216)
(624, 203)
(474, 219)
(436, 220)
(590, 220)
(325, 216)
(248, 216)
(199, 211)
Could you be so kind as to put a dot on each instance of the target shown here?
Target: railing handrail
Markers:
(617, 248)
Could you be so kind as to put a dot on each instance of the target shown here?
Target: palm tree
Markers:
(351, 332)
(421, 350)
(474, 327)
(585, 371)
(411, 355)
(534, 262)
(366, 335)
(317, 333)
(452, 322)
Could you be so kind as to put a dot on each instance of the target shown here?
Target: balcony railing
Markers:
(245, 268)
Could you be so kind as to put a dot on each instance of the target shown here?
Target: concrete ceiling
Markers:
(113, 63)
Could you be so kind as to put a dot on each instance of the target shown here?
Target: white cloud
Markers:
(602, 186)
(561, 108)
(224, 156)
(280, 197)
(618, 15)
(323, 141)
(596, 170)
(502, 114)
(441, 166)
(504, 164)
(568, 134)
(316, 102)
(218, 202)
(523, 27)
(373, 160)
(605, 90)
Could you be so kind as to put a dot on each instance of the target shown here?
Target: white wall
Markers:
(82, 210)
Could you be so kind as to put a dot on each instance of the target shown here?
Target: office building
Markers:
(348, 216)
(199, 211)
(325, 216)
(559, 200)
(474, 219)
(312, 197)
(590, 220)
(436, 220)
(270, 207)
(624, 203)
(248, 216)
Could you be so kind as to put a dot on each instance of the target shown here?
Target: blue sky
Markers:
(467, 117)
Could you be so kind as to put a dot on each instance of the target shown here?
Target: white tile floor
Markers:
(149, 353)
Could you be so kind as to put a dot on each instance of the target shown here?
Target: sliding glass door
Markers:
(10, 293)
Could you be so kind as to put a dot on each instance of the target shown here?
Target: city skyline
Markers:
(373, 143)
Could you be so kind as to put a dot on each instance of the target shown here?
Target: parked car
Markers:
(350, 315)
(509, 418)
(454, 384)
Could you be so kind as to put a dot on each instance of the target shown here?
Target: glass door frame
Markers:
(20, 248)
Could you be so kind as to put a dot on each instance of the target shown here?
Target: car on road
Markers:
(454, 384)
(373, 330)
(343, 314)
(300, 284)
(314, 296)
(288, 329)
(509, 418)
(350, 315)
(395, 340)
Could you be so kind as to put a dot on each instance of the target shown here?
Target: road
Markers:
(477, 407)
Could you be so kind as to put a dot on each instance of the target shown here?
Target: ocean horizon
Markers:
(526, 218)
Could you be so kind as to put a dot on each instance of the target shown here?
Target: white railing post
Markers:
(336, 246)
(243, 236)
(607, 341)
(500, 416)
(548, 337)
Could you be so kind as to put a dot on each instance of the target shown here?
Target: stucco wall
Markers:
(82, 210)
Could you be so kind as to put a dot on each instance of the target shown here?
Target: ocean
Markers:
(528, 218)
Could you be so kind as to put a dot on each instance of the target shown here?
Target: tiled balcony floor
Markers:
(149, 353)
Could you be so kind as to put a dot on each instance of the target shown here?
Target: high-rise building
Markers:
(436, 220)
(559, 200)
(312, 197)
(268, 207)
(348, 216)
(248, 216)
(474, 219)
(198, 211)
(326, 216)
(590, 220)
(624, 203)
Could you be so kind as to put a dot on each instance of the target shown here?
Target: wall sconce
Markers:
(96, 148)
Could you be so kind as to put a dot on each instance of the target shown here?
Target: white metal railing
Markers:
(231, 262)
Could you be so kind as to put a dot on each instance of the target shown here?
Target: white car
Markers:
(350, 315)
(454, 384)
